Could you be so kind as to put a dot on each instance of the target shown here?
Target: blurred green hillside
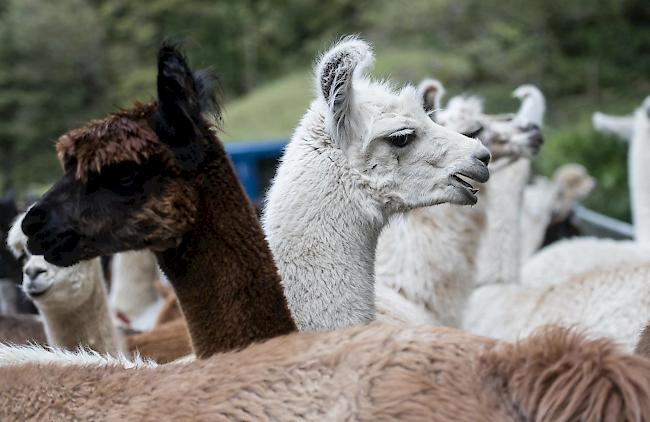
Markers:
(64, 62)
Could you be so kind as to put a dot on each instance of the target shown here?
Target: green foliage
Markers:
(64, 62)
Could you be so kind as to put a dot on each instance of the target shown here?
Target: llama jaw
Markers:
(459, 183)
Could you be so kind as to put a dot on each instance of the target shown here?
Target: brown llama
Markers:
(363, 373)
(164, 343)
(155, 176)
(375, 372)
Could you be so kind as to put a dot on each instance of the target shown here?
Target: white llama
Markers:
(72, 300)
(498, 257)
(428, 255)
(611, 300)
(362, 153)
(559, 262)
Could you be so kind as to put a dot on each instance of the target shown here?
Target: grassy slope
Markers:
(273, 110)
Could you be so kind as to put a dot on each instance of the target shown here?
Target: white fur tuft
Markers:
(14, 355)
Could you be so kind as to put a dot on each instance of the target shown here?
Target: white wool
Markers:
(612, 303)
(560, 261)
(341, 178)
(15, 355)
(393, 308)
(498, 259)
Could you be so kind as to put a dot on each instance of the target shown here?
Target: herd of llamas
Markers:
(397, 271)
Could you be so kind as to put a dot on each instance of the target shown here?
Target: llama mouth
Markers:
(463, 183)
(35, 293)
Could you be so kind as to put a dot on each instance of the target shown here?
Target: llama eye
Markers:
(126, 179)
(401, 139)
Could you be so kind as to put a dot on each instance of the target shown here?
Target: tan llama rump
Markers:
(378, 372)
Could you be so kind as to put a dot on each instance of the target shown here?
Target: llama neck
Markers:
(134, 274)
(499, 252)
(429, 257)
(323, 233)
(639, 173)
(89, 324)
(223, 271)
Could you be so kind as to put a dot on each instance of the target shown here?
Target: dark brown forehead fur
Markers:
(126, 135)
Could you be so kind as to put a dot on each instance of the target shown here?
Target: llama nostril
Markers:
(537, 138)
(34, 221)
(33, 272)
(483, 156)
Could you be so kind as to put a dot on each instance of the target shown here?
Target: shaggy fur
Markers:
(361, 153)
(612, 303)
(169, 187)
(364, 373)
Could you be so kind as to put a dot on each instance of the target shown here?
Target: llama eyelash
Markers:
(402, 132)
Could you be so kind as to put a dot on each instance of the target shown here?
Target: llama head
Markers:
(533, 106)
(130, 179)
(501, 134)
(46, 284)
(388, 139)
(574, 184)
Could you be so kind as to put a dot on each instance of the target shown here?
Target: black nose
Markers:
(35, 220)
(32, 273)
(483, 156)
(536, 138)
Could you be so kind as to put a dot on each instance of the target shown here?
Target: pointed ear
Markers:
(182, 96)
(335, 74)
(431, 92)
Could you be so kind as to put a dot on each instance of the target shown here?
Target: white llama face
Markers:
(46, 284)
(504, 137)
(501, 134)
(400, 153)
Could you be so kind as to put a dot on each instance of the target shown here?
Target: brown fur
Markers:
(123, 136)
(643, 346)
(165, 343)
(223, 271)
(22, 329)
(170, 310)
(201, 224)
(377, 372)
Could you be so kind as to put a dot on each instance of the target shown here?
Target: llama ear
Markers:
(431, 92)
(182, 97)
(335, 74)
